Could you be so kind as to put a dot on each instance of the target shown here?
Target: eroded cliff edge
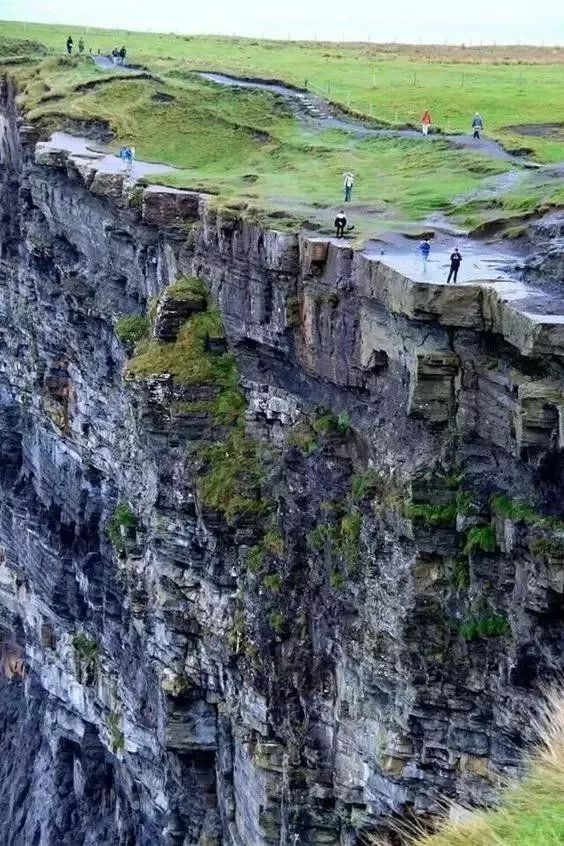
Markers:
(274, 620)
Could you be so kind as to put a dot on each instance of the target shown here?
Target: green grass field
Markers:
(509, 86)
(248, 148)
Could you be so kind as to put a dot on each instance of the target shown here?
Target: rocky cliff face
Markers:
(285, 560)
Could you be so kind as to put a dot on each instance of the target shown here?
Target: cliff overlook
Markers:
(281, 537)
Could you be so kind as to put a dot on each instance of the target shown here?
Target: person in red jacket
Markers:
(425, 121)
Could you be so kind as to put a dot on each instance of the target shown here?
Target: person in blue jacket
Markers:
(424, 250)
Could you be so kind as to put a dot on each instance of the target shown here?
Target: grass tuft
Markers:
(531, 811)
(123, 520)
(187, 359)
(231, 482)
(477, 627)
(131, 328)
(480, 539)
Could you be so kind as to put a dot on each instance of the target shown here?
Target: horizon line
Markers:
(468, 45)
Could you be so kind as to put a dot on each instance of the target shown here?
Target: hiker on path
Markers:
(122, 55)
(115, 55)
(127, 155)
(477, 125)
(70, 42)
(348, 182)
(425, 122)
(424, 250)
(340, 223)
(455, 260)
(81, 45)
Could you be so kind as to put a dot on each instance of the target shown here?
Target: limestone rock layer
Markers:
(280, 559)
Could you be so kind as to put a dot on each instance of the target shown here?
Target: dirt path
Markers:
(309, 108)
(107, 63)
(103, 160)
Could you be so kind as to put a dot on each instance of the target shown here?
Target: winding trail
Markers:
(314, 110)
(107, 63)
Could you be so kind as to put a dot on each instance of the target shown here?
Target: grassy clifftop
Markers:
(247, 146)
(510, 86)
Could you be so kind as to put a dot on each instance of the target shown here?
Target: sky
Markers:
(413, 21)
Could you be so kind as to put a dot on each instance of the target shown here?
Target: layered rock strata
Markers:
(284, 561)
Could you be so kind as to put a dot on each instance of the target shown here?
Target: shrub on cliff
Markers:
(122, 522)
(131, 328)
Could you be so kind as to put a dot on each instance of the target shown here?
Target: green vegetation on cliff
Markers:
(232, 471)
(122, 521)
(131, 328)
(186, 359)
(231, 482)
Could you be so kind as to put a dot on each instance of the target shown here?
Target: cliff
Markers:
(283, 561)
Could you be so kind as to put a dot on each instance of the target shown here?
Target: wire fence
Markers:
(401, 88)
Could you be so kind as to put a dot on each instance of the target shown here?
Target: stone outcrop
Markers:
(271, 589)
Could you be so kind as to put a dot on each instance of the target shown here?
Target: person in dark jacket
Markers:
(70, 42)
(477, 125)
(340, 223)
(455, 260)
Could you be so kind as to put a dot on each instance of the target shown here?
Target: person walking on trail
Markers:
(424, 250)
(126, 156)
(455, 259)
(348, 182)
(425, 122)
(122, 54)
(477, 125)
(81, 45)
(70, 42)
(340, 223)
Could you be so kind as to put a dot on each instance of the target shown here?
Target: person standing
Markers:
(425, 122)
(477, 125)
(81, 45)
(348, 182)
(424, 250)
(124, 156)
(455, 259)
(122, 54)
(340, 223)
(69, 44)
